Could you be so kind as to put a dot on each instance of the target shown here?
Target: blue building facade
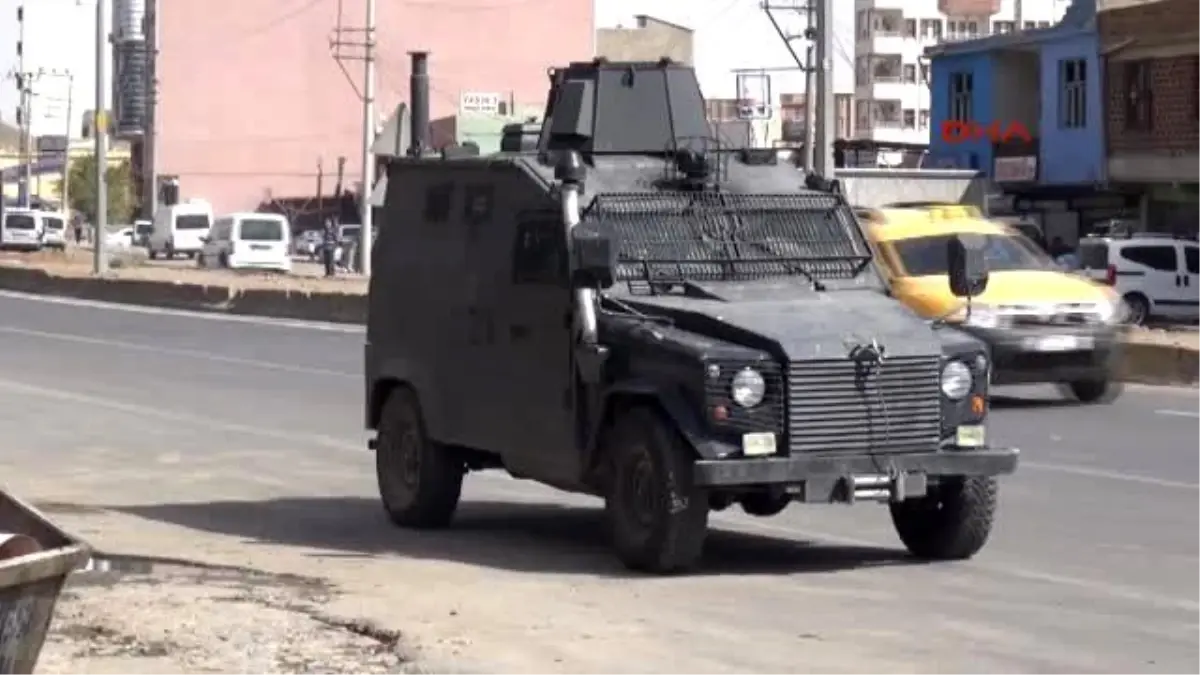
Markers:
(1033, 104)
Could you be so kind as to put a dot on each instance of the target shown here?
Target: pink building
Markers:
(251, 99)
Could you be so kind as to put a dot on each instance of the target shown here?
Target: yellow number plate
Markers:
(758, 444)
(970, 436)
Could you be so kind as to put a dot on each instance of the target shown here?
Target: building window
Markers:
(962, 86)
(910, 119)
(973, 28)
(925, 73)
(1043, 24)
(1139, 100)
(1030, 25)
(923, 119)
(1072, 93)
(931, 29)
(1001, 27)
(910, 28)
(910, 73)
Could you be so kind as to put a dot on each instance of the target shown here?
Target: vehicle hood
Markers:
(805, 326)
(931, 297)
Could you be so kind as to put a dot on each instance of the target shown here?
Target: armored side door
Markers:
(537, 331)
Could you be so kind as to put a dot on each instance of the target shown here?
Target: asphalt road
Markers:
(240, 440)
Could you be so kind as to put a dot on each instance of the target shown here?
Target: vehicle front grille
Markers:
(766, 416)
(1064, 314)
(840, 406)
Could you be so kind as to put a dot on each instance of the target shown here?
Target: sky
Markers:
(733, 34)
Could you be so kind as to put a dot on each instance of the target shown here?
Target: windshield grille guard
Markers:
(705, 236)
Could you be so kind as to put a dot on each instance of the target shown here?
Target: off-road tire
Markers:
(952, 522)
(419, 481)
(668, 536)
(1095, 391)
(153, 254)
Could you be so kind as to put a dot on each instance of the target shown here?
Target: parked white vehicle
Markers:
(248, 241)
(120, 238)
(1157, 276)
(22, 229)
(54, 233)
(180, 229)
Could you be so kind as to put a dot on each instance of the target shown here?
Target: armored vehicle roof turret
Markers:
(622, 107)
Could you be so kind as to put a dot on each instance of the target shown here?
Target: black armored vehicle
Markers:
(631, 311)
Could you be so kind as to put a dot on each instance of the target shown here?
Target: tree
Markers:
(82, 193)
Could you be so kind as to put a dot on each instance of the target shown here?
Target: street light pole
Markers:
(100, 132)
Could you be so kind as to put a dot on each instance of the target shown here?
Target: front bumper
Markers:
(817, 477)
(1019, 358)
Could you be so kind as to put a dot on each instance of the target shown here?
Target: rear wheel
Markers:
(419, 480)
(1137, 309)
(952, 522)
(657, 516)
(153, 254)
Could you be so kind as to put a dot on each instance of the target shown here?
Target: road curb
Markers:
(1143, 363)
(219, 299)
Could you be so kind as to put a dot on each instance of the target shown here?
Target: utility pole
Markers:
(1018, 15)
(66, 170)
(354, 50)
(803, 64)
(150, 132)
(25, 86)
(826, 111)
(100, 133)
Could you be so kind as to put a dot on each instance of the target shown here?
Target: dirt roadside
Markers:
(173, 618)
(77, 263)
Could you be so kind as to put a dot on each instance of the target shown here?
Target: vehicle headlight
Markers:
(748, 388)
(956, 380)
(1106, 311)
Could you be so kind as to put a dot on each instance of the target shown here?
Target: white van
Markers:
(180, 229)
(22, 229)
(1157, 275)
(249, 241)
(54, 230)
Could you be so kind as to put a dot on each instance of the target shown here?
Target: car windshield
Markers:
(20, 222)
(192, 222)
(261, 229)
(53, 223)
(926, 256)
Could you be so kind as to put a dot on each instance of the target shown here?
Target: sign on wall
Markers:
(481, 103)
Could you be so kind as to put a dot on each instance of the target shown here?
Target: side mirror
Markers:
(966, 265)
(593, 257)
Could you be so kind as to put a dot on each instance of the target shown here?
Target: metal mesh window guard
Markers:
(719, 236)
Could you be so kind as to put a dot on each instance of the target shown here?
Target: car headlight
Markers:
(956, 380)
(748, 388)
(1107, 311)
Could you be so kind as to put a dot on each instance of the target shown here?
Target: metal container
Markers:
(35, 559)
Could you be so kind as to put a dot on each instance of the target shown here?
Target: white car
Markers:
(248, 241)
(22, 229)
(1157, 275)
(119, 238)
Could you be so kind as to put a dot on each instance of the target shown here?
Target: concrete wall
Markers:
(1072, 155)
(250, 98)
(650, 40)
(972, 153)
(877, 187)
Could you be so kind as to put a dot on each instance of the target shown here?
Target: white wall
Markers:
(734, 34)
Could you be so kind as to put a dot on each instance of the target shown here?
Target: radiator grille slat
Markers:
(834, 406)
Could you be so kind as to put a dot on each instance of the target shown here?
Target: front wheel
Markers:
(420, 481)
(952, 522)
(1095, 391)
(657, 516)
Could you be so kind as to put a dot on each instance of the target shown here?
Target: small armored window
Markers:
(439, 201)
(540, 250)
(477, 203)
